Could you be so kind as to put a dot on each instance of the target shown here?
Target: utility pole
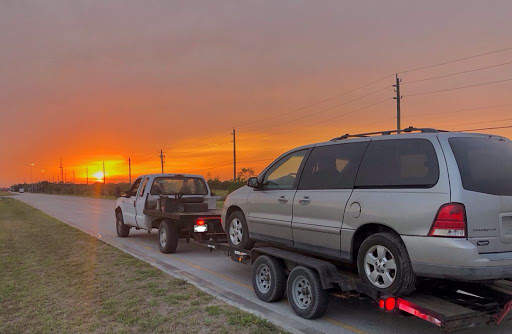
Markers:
(398, 97)
(162, 157)
(129, 171)
(234, 154)
(31, 180)
(87, 175)
(61, 170)
(104, 181)
(74, 182)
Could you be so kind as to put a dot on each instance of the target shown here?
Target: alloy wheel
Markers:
(380, 266)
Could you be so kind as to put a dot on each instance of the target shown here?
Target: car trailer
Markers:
(451, 306)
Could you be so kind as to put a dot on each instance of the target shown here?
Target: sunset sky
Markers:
(93, 81)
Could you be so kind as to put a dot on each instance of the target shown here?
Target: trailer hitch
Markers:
(497, 318)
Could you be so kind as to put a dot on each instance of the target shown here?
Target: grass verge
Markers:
(6, 193)
(57, 279)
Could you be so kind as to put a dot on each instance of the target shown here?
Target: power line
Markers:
(455, 60)
(457, 88)
(471, 123)
(462, 110)
(493, 128)
(327, 120)
(457, 73)
(321, 111)
(319, 102)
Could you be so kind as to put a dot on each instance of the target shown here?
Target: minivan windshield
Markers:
(179, 185)
(485, 164)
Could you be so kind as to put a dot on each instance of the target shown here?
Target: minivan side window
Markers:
(283, 174)
(485, 164)
(399, 163)
(332, 166)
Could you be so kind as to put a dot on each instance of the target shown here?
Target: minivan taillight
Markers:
(450, 221)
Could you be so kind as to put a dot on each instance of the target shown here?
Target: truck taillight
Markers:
(200, 221)
(450, 221)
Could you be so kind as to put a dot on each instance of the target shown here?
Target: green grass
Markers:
(6, 193)
(56, 279)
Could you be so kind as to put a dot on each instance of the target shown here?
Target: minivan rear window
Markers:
(399, 163)
(485, 164)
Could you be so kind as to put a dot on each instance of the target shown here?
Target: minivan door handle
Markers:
(283, 199)
(305, 200)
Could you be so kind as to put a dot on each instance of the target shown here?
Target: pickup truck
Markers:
(178, 205)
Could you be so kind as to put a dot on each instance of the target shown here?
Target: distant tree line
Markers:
(61, 188)
(230, 186)
(100, 189)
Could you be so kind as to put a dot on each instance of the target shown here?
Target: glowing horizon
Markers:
(179, 76)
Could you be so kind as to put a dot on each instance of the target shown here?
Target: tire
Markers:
(122, 229)
(375, 268)
(168, 236)
(238, 232)
(305, 294)
(268, 278)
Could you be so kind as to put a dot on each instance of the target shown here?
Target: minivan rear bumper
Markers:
(458, 259)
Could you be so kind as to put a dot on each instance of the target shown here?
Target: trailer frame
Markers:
(451, 306)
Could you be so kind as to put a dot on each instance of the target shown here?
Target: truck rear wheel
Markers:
(305, 293)
(122, 229)
(268, 278)
(168, 236)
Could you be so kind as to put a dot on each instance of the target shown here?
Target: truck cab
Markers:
(147, 189)
(178, 205)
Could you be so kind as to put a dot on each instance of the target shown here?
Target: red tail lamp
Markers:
(389, 304)
(200, 222)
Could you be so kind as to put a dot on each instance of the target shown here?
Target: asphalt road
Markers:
(218, 275)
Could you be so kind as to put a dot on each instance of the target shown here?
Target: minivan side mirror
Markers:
(253, 182)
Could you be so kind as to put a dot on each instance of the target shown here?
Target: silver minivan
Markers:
(423, 203)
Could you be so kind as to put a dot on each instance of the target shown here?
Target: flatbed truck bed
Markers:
(200, 226)
(451, 306)
(183, 216)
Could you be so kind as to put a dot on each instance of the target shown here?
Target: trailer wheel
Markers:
(305, 293)
(168, 236)
(122, 229)
(268, 278)
(383, 262)
(238, 232)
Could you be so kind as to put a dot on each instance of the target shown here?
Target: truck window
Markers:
(485, 164)
(179, 185)
(399, 163)
(143, 186)
(133, 188)
(332, 166)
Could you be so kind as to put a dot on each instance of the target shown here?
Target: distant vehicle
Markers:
(178, 205)
(21, 190)
(424, 203)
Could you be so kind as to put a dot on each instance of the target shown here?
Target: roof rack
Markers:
(384, 133)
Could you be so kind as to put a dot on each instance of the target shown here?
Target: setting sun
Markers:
(98, 176)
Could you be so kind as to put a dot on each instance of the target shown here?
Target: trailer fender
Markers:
(327, 271)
